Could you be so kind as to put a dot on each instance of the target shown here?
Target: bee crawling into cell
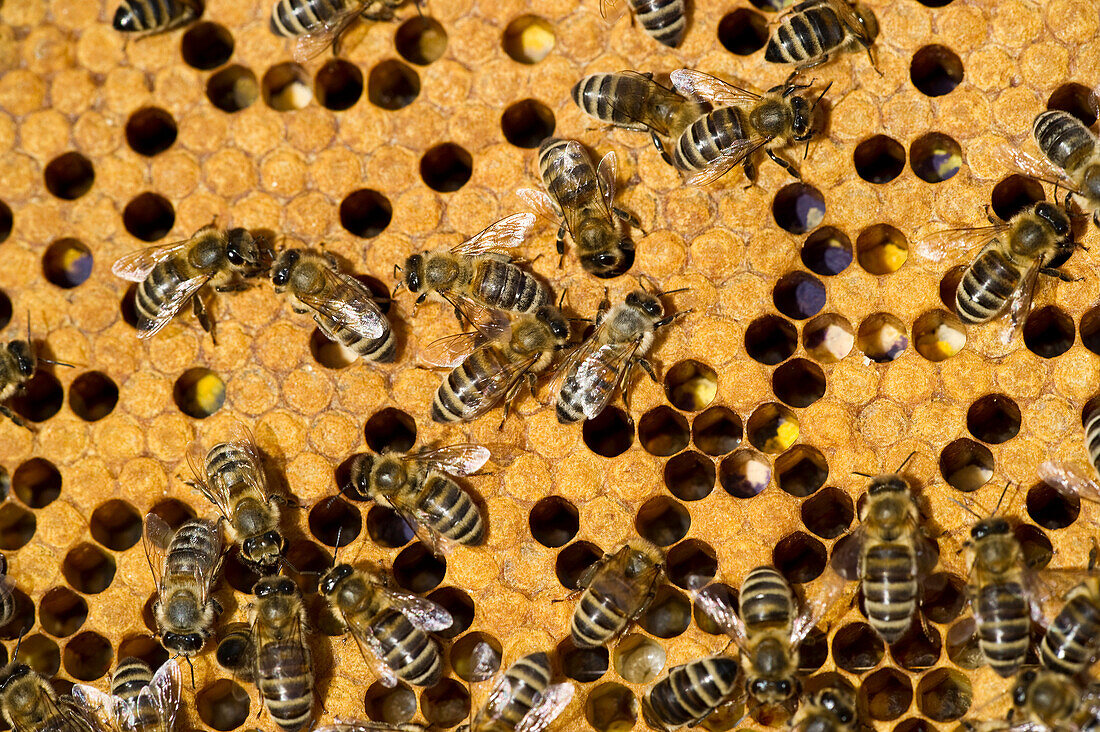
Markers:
(138, 700)
(691, 692)
(814, 31)
(665, 21)
(18, 364)
(615, 591)
(318, 24)
(145, 18)
(520, 699)
(829, 709)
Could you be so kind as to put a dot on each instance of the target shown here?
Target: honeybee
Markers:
(1002, 278)
(665, 21)
(139, 700)
(617, 589)
(390, 627)
(1071, 146)
(890, 553)
(236, 651)
(590, 374)
(1071, 478)
(149, 17)
(420, 488)
(491, 364)
(170, 275)
(809, 33)
(478, 274)
(7, 598)
(343, 307)
(283, 670)
(1073, 637)
(361, 725)
(691, 692)
(1044, 700)
(185, 566)
(18, 363)
(635, 101)
(742, 123)
(832, 709)
(232, 478)
(769, 631)
(318, 24)
(29, 703)
(582, 197)
(522, 698)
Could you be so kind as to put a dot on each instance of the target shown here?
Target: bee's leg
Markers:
(560, 244)
(824, 58)
(204, 317)
(7, 412)
(661, 148)
(1064, 277)
(992, 217)
(628, 218)
(605, 305)
(645, 364)
(786, 165)
(750, 171)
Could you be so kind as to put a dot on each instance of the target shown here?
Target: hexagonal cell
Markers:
(881, 337)
(827, 251)
(418, 570)
(798, 382)
(69, 176)
(446, 168)
(37, 483)
(310, 560)
(879, 159)
(801, 471)
(67, 263)
(745, 473)
(944, 597)
(145, 648)
(938, 335)
(1050, 508)
(691, 385)
(799, 557)
(459, 605)
(886, 694)
(390, 430)
(199, 393)
(689, 476)
(949, 285)
(390, 705)
(241, 577)
(573, 560)
(464, 662)
(799, 295)
(40, 653)
(446, 704)
(717, 431)
(691, 564)
(528, 39)
(338, 85)
(917, 650)
(1048, 331)
(962, 645)
(935, 157)
(914, 724)
(392, 85)
(798, 208)
(743, 32)
(1090, 330)
(639, 659)
(966, 465)
(770, 340)
(994, 418)
(668, 615)
(772, 428)
(936, 70)
(611, 707)
(150, 131)
(17, 526)
(582, 664)
(610, 433)
(1035, 545)
(335, 522)
(1015, 193)
(223, 705)
(828, 338)
(206, 46)
(881, 249)
(421, 40)
(663, 432)
(944, 695)
(87, 656)
(828, 513)
(662, 521)
(722, 593)
(61, 612)
(88, 569)
(554, 521)
(174, 513)
(40, 398)
(92, 396)
(527, 123)
(857, 648)
(329, 353)
(1078, 100)
(232, 89)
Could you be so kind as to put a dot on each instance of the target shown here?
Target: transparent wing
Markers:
(371, 651)
(313, 44)
(1019, 303)
(725, 617)
(6, 600)
(347, 302)
(1048, 587)
(498, 384)
(847, 16)
(731, 156)
(421, 612)
(939, 244)
(1071, 479)
(449, 351)
(607, 364)
(498, 237)
(541, 202)
(170, 306)
(826, 592)
(486, 662)
(156, 538)
(163, 692)
(209, 573)
(846, 553)
(103, 706)
(544, 711)
(461, 459)
(692, 83)
(76, 717)
(611, 10)
(1011, 157)
(607, 171)
(216, 495)
(137, 265)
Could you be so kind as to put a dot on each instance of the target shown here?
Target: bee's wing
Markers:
(359, 725)
(486, 662)
(1019, 303)
(541, 202)
(421, 612)
(104, 707)
(78, 717)
(500, 382)
(498, 237)
(163, 693)
(371, 651)
(724, 615)
(827, 591)
(938, 244)
(1048, 587)
(212, 491)
(692, 83)
(462, 459)
(553, 702)
(1011, 157)
(607, 173)
(1070, 479)
(731, 156)
(608, 363)
(846, 14)
(611, 10)
(846, 552)
(207, 575)
(348, 302)
(170, 307)
(449, 351)
(313, 44)
(6, 600)
(156, 538)
(137, 265)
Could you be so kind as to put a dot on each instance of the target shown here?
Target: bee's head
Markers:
(1054, 216)
(280, 271)
(185, 644)
(647, 302)
(774, 691)
(555, 321)
(867, 19)
(989, 527)
(274, 586)
(611, 260)
(334, 577)
(802, 118)
(414, 272)
(25, 361)
(243, 251)
(263, 550)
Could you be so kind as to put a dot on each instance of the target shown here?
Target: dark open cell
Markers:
(1035, 545)
(914, 724)
(150, 131)
(799, 295)
(174, 512)
(446, 704)
(798, 208)
(962, 645)
(721, 593)
(37, 483)
(148, 216)
(936, 70)
(1078, 100)
(338, 85)
(610, 433)
(392, 85)
(944, 596)
(92, 396)
(17, 526)
(828, 513)
(206, 46)
(69, 176)
(573, 560)
(40, 398)
(668, 615)
(233, 88)
(67, 263)
(1050, 508)
(87, 656)
(199, 393)
(582, 664)
(814, 651)
(1014, 193)
(886, 694)
(465, 663)
(798, 382)
(966, 465)
(1048, 331)
(446, 168)
(285, 87)
(335, 522)
(310, 560)
(6, 222)
(527, 123)
(390, 429)
(88, 568)
(949, 285)
(1090, 329)
(827, 251)
(611, 707)
(857, 648)
(935, 157)
(40, 653)
(223, 705)
(418, 570)
(116, 525)
(944, 695)
(459, 605)
(126, 306)
(662, 520)
(390, 705)
(240, 576)
(799, 557)
(917, 650)
(22, 618)
(365, 213)
(145, 648)
(744, 473)
(61, 612)
(528, 39)
(691, 564)
(554, 521)
(421, 40)
(690, 476)
(801, 471)
(691, 385)
(879, 159)
(329, 353)
(5, 309)
(743, 31)
(386, 528)
(994, 418)
(717, 431)
(770, 340)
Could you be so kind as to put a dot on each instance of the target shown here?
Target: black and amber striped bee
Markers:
(139, 700)
(522, 699)
(149, 17)
(617, 589)
(665, 21)
(812, 32)
(283, 664)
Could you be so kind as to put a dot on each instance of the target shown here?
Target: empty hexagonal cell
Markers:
(233, 88)
(1048, 331)
(365, 213)
(721, 593)
(881, 337)
(528, 39)
(828, 513)
(582, 664)
(446, 704)
(691, 564)
(1078, 100)
(527, 123)
(798, 208)
(663, 431)
(88, 569)
(801, 471)
(745, 473)
(994, 418)
(799, 557)
(770, 339)
(827, 251)
(936, 70)
(949, 285)
(914, 724)
(465, 656)
(573, 560)
(69, 176)
(67, 263)
(857, 648)
(417, 569)
(938, 335)
(459, 605)
(610, 433)
(174, 512)
(87, 656)
(881, 249)
(966, 465)
(5, 301)
(335, 522)
(662, 520)
(223, 705)
(392, 85)
(390, 429)
(145, 648)
(935, 157)
(772, 428)
(944, 694)
(92, 396)
(40, 653)
(917, 650)
(638, 659)
(886, 694)
(338, 85)
(310, 560)
(743, 31)
(1051, 508)
(206, 46)
(421, 40)
(799, 295)
(798, 382)
(717, 431)
(36, 483)
(446, 168)
(61, 612)
(1090, 330)
(668, 615)
(943, 597)
(1015, 193)
(690, 476)
(390, 705)
(828, 338)
(150, 131)
(1034, 544)
(241, 577)
(40, 398)
(691, 385)
(17, 526)
(554, 521)
(879, 159)
(199, 393)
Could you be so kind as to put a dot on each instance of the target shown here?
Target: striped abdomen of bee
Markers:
(406, 649)
(664, 20)
(460, 397)
(597, 619)
(284, 678)
(1092, 437)
(570, 179)
(526, 679)
(228, 460)
(1004, 627)
(619, 99)
(506, 286)
(888, 573)
(1064, 139)
(131, 676)
(454, 514)
(986, 286)
(1073, 637)
(691, 692)
(153, 16)
(382, 349)
(805, 34)
(766, 600)
(193, 548)
(290, 18)
(708, 137)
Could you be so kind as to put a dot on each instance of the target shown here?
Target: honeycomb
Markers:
(817, 346)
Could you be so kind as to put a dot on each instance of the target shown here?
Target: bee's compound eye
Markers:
(286, 587)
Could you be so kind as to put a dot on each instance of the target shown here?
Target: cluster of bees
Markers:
(704, 127)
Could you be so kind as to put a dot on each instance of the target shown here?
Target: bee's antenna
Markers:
(673, 292)
(865, 475)
(336, 549)
(821, 95)
(562, 298)
(966, 508)
(56, 363)
(998, 506)
(905, 461)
